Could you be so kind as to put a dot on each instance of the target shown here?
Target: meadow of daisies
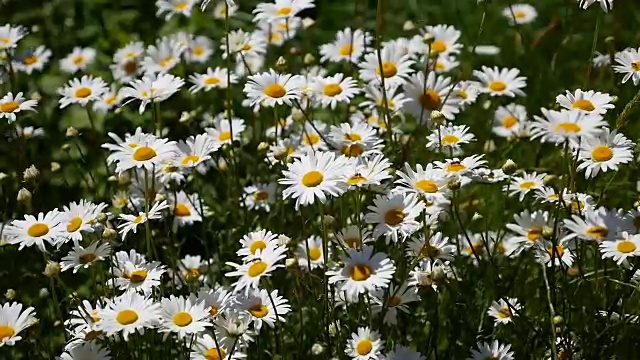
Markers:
(300, 179)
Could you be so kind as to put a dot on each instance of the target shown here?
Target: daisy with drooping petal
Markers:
(625, 246)
(137, 276)
(212, 79)
(11, 105)
(33, 60)
(437, 247)
(365, 345)
(448, 138)
(591, 102)
(522, 185)
(264, 307)
(528, 228)
(259, 196)
(314, 175)
(260, 265)
(183, 316)
(79, 59)
(563, 125)
(362, 271)
(256, 241)
(503, 311)
(428, 94)
(492, 351)
(508, 120)
(392, 301)
(501, 82)
(595, 225)
(395, 67)
(128, 314)
(152, 88)
(348, 45)
(331, 90)
(547, 253)
(604, 152)
(131, 222)
(520, 14)
(606, 5)
(628, 63)
(82, 257)
(35, 230)
(394, 215)
(186, 209)
(270, 88)
(82, 91)
(174, 7)
(13, 320)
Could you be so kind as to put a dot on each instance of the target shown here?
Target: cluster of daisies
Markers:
(313, 162)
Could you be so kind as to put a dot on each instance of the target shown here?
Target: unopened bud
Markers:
(71, 132)
(438, 275)
(24, 196)
(614, 99)
(558, 320)
(489, 146)
(294, 50)
(547, 232)
(113, 179)
(454, 184)
(102, 218)
(160, 198)
(309, 59)
(476, 217)
(10, 294)
(281, 63)
(408, 25)
(263, 146)
(317, 349)
(509, 167)
(55, 167)
(52, 269)
(428, 38)
(222, 164)
(609, 39)
(437, 117)
(328, 220)
(109, 234)
(43, 293)
(307, 22)
(65, 147)
(123, 179)
(31, 174)
(283, 240)
(3, 176)
(185, 116)
(291, 262)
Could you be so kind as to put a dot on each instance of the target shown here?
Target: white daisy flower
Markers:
(367, 172)
(365, 344)
(270, 89)
(591, 102)
(563, 125)
(206, 348)
(256, 241)
(199, 50)
(606, 5)
(424, 181)
(495, 350)
(13, 320)
(128, 314)
(78, 60)
(174, 7)
(148, 153)
(508, 120)
(11, 105)
(163, 56)
(216, 300)
(259, 196)
(264, 307)
(245, 46)
(520, 14)
(348, 45)
(445, 40)
(355, 140)
(131, 222)
(558, 255)
(80, 217)
(437, 247)
(82, 91)
(183, 316)
(280, 9)
(595, 225)
(109, 100)
(501, 82)
(260, 265)
(428, 94)
(81, 257)
(503, 311)
(33, 60)
(35, 230)
(403, 353)
(422, 275)
(528, 228)
(195, 150)
(448, 138)
(625, 246)
(604, 152)
(375, 98)
(152, 88)
(391, 301)
(10, 35)
(310, 255)
(628, 63)
(186, 209)
(212, 79)
(86, 350)
(126, 62)
(224, 132)
(395, 67)
(522, 185)
(363, 271)
(137, 276)
(395, 215)
(329, 91)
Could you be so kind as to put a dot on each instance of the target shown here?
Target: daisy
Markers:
(578, 202)
(260, 196)
(80, 217)
(81, 257)
(362, 271)
(195, 150)
(354, 237)
(503, 311)
(522, 185)
(152, 88)
(163, 56)
(463, 170)
(260, 265)
(329, 91)
(563, 125)
(528, 228)
(500, 82)
(280, 9)
(600, 60)
(467, 92)
(213, 79)
(628, 63)
(442, 64)
(375, 98)
(264, 307)
(256, 241)
(625, 246)
(86, 350)
(270, 89)
(392, 301)
(355, 140)
(395, 67)
(348, 45)
(394, 215)
(403, 353)
(560, 254)
(606, 5)
(109, 99)
(223, 9)
(216, 300)
(126, 62)
(438, 247)
(595, 225)
(445, 40)
(128, 314)
(310, 255)
(82, 91)
(422, 276)
(449, 138)
(247, 47)
(131, 222)
(591, 102)
(148, 153)
(508, 120)
(494, 350)
(13, 320)
(10, 35)
(206, 348)
(232, 330)
(137, 276)
(428, 181)
(174, 7)
(365, 344)
(33, 60)
(312, 176)
(11, 105)
(35, 230)
(520, 14)
(79, 59)
(368, 172)
(604, 152)
(191, 269)
(186, 209)
(199, 50)
(183, 316)
(222, 130)
(428, 94)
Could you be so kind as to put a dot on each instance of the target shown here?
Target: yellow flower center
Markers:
(455, 167)
(364, 347)
(534, 234)
(497, 86)
(30, 60)
(111, 100)
(74, 224)
(450, 140)
(438, 46)
(138, 276)
(429, 251)
(315, 253)
(180, 6)
(211, 81)
(144, 153)
(559, 251)
(38, 230)
(6, 331)
(527, 185)
(519, 14)
(164, 63)
(275, 91)
(388, 70)
(394, 217)
(284, 11)
(213, 311)
(87, 258)
(356, 179)
(504, 313)
(635, 66)
(83, 92)
(361, 272)
(598, 232)
(352, 150)
(190, 159)
(9, 107)
(260, 195)
(332, 89)
(192, 274)
(78, 60)
(259, 310)
(246, 47)
(257, 245)
(509, 121)
(602, 153)
(257, 268)
(430, 100)
(428, 186)
(215, 354)
(130, 67)
(568, 127)
(394, 301)
(353, 242)
(626, 247)
(138, 219)
(181, 210)
(312, 178)
(182, 319)
(346, 50)
(198, 50)
(127, 317)
(583, 104)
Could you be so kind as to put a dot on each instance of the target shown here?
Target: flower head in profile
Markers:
(12, 321)
(11, 105)
(151, 88)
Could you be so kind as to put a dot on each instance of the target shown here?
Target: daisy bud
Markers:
(476, 217)
(558, 320)
(438, 275)
(263, 146)
(31, 174)
(65, 147)
(328, 220)
(281, 63)
(117, 111)
(10, 294)
(408, 25)
(317, 349)
(3, 176)
(52, 269)
(509, 167)
(72, 132)
(614, 99)
(283, 240)
(334, 328)
(123, 180)
(185, 116)
(307, 22)
(24, 196)
(437, 117)
(547, 232)
(309, 59)
(433, 55)
(454, 184)
(43, 293)
(291, 262)
(102, 218)
(55, 167)
(486, 104)
(109, 234)
(222, 165)
(294, 50)
(353, 109)
(160, 198)
(609, 39)
(428, 38)
(489, 146)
